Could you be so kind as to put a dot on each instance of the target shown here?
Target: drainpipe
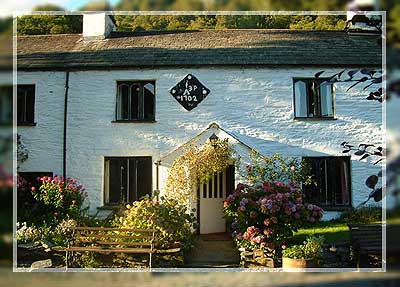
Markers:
(65, 125)
(157, 163)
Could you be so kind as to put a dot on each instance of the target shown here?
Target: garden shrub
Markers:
(26, 234)
(366, 214)
(265, 215)
(168, 217)
(311, 248)
(51, 210)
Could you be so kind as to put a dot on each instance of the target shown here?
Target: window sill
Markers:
(137, 122)
(26, 124)
(315, 119)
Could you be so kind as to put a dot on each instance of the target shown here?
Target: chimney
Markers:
(97, 26)
(359, 19)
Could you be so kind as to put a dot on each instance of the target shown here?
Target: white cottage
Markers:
(101, 107)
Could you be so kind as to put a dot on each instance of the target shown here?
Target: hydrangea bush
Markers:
(264, 215)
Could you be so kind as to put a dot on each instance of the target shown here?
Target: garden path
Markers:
(214, 251)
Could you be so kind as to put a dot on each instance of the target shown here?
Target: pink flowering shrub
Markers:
(264, 215)
(50, 200)
(62, 198)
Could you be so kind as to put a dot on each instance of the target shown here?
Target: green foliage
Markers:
(6, 25)
(321, 22)
(393, 26)
(366, 214)
(87, 260)
(59, 199)
(170, 218)
(277, 168)
(49, 24)
(197, 165)
(48, 7)
(333, 231)
(310, 249)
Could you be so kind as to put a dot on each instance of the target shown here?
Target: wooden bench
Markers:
(366, 240)
(112, 240)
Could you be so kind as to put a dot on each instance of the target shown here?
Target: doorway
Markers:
(211, 201)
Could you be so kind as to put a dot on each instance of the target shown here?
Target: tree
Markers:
(49, 24)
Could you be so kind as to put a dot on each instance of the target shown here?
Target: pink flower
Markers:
(297, 215)
(242, 208)
(274, 220)
(248, 168)
(267, 222)
(33, 188)
(239, 236)
(56, 214)
(292, 168)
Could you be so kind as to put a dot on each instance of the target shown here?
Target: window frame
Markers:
(140, 101)
(27, 123)
(106, 183)
(335, 207)
(308, 80)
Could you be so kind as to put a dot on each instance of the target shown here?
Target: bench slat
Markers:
(108, 236)
(114, 229)
(123, 243)
(122, 250)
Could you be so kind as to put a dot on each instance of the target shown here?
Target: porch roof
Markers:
(201, 138)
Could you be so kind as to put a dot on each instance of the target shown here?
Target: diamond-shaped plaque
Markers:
(189, 92)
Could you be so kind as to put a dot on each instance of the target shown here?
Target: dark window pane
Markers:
(215, 185)
(220, 184)
(230, 179)
(135, 90)
(144, 177)
(204, 190)
(123, 102)
(210, 188)
(118, 180)
(25, 103)
(148, 101)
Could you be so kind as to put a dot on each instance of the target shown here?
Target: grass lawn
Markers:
(334, 232)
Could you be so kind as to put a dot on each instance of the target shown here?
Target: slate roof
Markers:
(199, 48)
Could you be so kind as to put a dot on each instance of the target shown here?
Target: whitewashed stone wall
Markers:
(254, 104)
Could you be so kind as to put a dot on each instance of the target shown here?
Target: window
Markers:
(25, 104)
(127, 179)
(6, 105)
(135, 101)
(332, 175)
(313, 98)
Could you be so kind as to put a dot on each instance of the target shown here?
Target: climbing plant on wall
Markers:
(196, 166)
